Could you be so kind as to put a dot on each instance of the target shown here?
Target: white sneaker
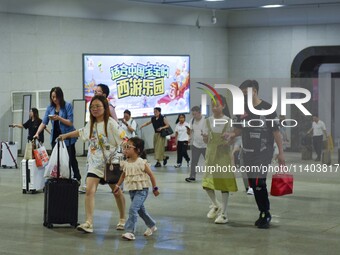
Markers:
(86, 227)
(149, 231)
(82, 189)
(129, 236)
(221, 219)
(250, 191)
(214, 211)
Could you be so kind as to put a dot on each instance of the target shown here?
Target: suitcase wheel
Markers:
(33, 191)
(24, 191)
(48, 225)
(74, 225)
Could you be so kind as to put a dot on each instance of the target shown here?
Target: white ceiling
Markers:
(229, 13)
(237, 4)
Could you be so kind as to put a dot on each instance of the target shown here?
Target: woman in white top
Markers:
(104, 90)
(182, 132)
(103, 133)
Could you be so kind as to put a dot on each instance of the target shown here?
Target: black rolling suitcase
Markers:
(61, 200)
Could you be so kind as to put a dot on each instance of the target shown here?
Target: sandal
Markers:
(121, 225)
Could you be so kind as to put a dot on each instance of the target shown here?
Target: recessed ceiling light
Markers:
(272, 6)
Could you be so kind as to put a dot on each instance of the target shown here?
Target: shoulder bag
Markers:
(166, 131)
(112, 170)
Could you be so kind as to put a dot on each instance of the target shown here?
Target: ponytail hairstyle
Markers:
(139, 144)
(35, 113)
(225, 106)
(180, 115)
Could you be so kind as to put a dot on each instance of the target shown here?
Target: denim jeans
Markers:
(137, 207)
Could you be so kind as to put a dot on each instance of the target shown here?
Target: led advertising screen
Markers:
(140, 83)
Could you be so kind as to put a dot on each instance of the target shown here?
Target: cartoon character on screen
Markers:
(174, 91)
(185, 86)
(182, 77)
(179, 85)
(173, 94)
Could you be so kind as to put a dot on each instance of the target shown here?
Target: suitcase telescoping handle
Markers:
(10, 134)
(28, 176)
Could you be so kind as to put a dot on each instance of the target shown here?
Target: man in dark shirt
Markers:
(258, 138)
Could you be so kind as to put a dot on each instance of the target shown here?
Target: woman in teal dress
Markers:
(218, 174)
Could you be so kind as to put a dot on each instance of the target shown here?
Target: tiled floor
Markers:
(306, 222)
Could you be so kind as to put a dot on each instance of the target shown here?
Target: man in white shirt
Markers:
(198, 146)
(319, 130)
(128, 124)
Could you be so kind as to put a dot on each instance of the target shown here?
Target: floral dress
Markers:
(100, 141)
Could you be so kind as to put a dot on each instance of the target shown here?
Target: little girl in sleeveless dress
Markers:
(136, 177)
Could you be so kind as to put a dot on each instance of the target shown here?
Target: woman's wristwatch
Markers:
(155, 188)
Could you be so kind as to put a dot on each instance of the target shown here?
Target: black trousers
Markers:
(259, 187)
(318, 144)
(73, 163)
(257, 181)
(182, 151)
